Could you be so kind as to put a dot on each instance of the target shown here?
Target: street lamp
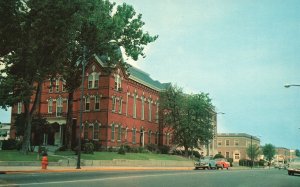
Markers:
(215, 134)
(83, 62)
(289, 85)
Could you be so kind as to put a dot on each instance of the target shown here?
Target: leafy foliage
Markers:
(269, 151)
(42, 39)
(189, 117)
(253, 151)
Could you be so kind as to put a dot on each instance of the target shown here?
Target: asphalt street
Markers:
(224, 178)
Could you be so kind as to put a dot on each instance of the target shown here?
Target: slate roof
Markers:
(144, 78)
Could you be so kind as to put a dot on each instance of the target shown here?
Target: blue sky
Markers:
(240, 52)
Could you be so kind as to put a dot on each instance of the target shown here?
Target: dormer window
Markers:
(118, 82)
(93, 80)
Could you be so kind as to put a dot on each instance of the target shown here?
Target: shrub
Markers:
(9, 144)
(164, 149)
(127, 148)
(218, 156)
(89, 148)
(261, 162)
(152, 148)
(122, 150)
(110, 149)
(97, 146)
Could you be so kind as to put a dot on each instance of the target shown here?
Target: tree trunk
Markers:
(68, 135)
(28, 118)
(27, 132)
(186, 151)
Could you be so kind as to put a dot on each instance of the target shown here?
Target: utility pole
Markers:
(81, 108)
(251, 153)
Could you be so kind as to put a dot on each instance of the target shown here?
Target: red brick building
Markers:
(118, 108)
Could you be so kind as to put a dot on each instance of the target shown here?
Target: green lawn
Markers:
(17, 156)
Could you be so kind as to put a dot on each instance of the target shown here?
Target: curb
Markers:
(94, 169)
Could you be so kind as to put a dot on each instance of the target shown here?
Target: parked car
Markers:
(205, 163)
(294, 166)
(222, 163)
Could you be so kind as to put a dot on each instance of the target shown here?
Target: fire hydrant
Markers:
(44, 161)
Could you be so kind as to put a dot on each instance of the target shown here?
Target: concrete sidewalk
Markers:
(36, 169)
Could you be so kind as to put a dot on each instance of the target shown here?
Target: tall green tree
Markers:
(41, 39)
(103, 33)
(189, 117)
(253, 151)
(269, 152)
(297, 152)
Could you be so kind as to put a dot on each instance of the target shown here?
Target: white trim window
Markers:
(143, 108)
(126, 134)
(149, 136)
(93, 80)
(156, 138)
(114, 103)
(86, 131)
(156, 113)
(87, 103)
(63, 86)
(97, 102)
(150, 110)
(120, 105)
(50, 105)
(20, 104)
(118, 82)
(227, 143)
(134, 135)
(51, 86)
(59, 107)
(119, 133)
(112, 132)
(134, 106)
(127, 103)
(57, 85)
(96, 131)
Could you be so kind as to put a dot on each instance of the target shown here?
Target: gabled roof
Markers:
(139, 76)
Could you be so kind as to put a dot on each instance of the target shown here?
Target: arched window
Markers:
(59, 106)
(96, 131)
(156, 138)
(134, 105)
(50, 105)
(119, 133)
(97, 102)
(86, 131)
(143, 108)
(113, 132)
(149, 137)
(134, 136)
(87, 103)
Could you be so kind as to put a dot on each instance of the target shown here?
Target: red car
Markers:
(222, 163)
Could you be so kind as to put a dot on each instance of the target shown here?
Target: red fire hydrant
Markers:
(44, 161)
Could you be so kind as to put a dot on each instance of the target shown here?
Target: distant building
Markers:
(283, 154)
(4, 132)
(234, 145)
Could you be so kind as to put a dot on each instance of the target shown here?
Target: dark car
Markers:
(205, 163)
